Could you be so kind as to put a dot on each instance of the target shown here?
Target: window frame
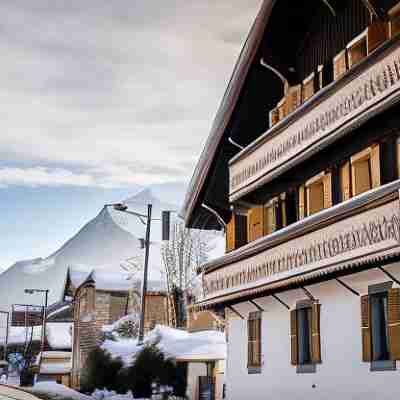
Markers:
(319, 179)
(305, 87)
(360, 40)
(364, 155)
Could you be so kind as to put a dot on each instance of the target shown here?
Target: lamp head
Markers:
(29, 291)
(120, 207)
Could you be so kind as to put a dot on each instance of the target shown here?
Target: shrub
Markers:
(151, 367)
(102, 371)
(127, 329)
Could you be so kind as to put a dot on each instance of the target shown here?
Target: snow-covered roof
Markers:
(59, 391)
(59, 335)
(175, 343)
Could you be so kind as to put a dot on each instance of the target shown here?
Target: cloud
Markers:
(118, 91)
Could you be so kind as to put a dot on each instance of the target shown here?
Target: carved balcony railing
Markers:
(358, 231)
(367, 89)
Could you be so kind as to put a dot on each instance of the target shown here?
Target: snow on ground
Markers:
(58, 391)
(175, 343)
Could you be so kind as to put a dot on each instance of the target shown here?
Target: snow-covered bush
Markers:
(127, 327)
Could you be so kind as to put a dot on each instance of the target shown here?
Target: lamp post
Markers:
(124, 208)
(46, 296)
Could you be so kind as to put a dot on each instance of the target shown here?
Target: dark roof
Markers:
(204, 166)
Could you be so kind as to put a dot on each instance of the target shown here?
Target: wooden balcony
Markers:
(354, 233)
(369, 87)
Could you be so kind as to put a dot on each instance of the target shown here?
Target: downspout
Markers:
(278, 74)
(216, 215)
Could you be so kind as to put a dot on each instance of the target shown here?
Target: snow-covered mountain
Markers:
(106, 241)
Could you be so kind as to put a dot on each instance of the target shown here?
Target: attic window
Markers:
(357, 49)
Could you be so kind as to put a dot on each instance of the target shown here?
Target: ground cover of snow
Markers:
(175, 343)
(58, 391)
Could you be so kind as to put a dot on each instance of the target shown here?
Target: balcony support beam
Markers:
(259, 308)
(346, 286)
(388, 274)
(280, 301)
(236, 312)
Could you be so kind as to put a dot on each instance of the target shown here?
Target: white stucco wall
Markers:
(342, 374)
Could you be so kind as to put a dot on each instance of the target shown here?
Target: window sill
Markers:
(306, 368)
(385, 365)
(253, 370)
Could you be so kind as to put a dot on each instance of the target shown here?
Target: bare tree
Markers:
(186, 250)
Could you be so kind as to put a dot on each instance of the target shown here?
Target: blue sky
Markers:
(100, 96)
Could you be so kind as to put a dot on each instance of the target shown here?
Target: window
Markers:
(394, 21)
(308, 87)
(315, 195)
(339, 65)
(282, 109)
(293, 98)
(365, 170)
(380, 321)
(305, 336)
(254, 342)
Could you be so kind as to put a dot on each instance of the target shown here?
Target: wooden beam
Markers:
(345, 285)
(373, 9)
(280, 301)
(259, 308)
(236, 312)
(393, 278)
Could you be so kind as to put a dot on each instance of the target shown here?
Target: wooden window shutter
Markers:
(256, 223)
(302, 205)
(375, 166)
(357, 49)
(339, 65)
(388, 150)
(282, 108)
(377, 34)
(254, 340)
(394, 20)
(394, 323)
(230, 234)
(282, 210)
(308, 87)
(345, 181)
(316, 333)
(293, 98)
(294, 348)
(273, 117)
(327, 181)
(366, 329)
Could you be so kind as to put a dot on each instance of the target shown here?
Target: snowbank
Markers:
(59, 391)
(19, 334)
(175, 343)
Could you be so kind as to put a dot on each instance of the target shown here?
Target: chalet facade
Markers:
(101, 298)
(302, 171)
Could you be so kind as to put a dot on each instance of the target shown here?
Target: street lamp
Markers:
(146, 220)
(46, 295)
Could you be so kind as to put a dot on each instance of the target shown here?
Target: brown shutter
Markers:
(316, 333)
(293, 337)
(377, 34)
(273, 117)
(366, 329)
(345, 181)
(394, 323)
(302, 205)
(270, 218)
(254, 340)
(256, 223)
(339, 65)
(282, 209)
(230, 234)
(293, 98)
(282, 108)
(327, 180)
(375, 166)
(308, 87)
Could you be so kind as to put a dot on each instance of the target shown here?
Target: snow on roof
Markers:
(20, 334)
(110, 280)
(59, 335)
(175, 343)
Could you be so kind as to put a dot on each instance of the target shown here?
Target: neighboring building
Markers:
(101, 298)
(310, 282)
(54, 366)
